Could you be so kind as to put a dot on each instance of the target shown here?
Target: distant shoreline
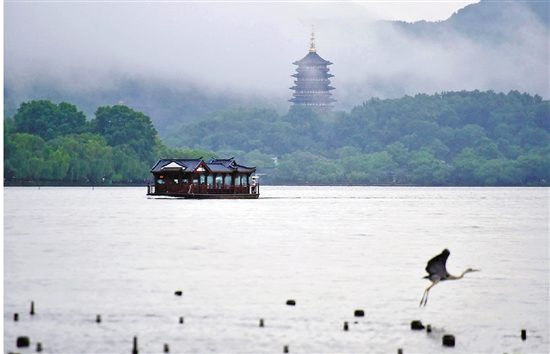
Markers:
(142, 184)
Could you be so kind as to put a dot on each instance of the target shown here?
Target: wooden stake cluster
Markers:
(448, 340)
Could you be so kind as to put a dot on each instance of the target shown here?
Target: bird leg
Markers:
(425, 296)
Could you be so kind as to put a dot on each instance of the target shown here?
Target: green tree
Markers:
(465, 166)
(535, 165)
(498, 172)
(24, 156)
(122, 125)
(48, 120)
(59, 163)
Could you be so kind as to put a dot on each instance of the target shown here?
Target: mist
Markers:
(248, 49)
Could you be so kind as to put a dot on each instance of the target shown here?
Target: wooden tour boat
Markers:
(198, 179)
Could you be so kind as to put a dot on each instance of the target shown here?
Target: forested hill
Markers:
(451, 138)
(176, 101)
(488, 21)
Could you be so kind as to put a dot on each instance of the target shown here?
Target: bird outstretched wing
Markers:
(436, 265)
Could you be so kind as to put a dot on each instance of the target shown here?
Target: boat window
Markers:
(185, 181)
(210, 180)
(175, 181)
(219, 180)
(160, 181)
(228, 180)
(203, 179)
(195, 181)
(245, 180)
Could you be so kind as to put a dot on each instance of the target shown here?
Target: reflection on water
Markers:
(80, 252)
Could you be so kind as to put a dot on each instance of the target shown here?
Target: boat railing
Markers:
(200, 189)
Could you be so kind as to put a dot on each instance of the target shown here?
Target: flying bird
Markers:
(438, 272)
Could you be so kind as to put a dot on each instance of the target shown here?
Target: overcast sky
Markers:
(232, 45)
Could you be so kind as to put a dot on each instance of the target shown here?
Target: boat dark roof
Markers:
(228, 165)
(191, 165)
(312, 58)
(176, 165)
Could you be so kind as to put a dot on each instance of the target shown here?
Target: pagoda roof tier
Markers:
(312, 58)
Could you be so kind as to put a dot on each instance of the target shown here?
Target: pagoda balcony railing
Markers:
(310, 99)
(302, 100)
(314, 67)
(321, 105)
(309, 94)
(312, 86)
(312, 75)
(311, 72)
(313, 93)
(315, 82)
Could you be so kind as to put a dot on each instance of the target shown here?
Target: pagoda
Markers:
(312, 80)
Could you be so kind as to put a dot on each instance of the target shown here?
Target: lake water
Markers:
(82, 252)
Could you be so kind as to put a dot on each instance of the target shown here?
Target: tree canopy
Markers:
(54, 143)
(48, 120)
(121, 125)
(449, 138)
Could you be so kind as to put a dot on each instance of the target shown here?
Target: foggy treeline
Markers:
(451, 138)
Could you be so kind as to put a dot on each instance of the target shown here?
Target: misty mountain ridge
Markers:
(488, 45)
(488, 22)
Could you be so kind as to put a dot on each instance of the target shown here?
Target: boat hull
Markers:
(204, 196)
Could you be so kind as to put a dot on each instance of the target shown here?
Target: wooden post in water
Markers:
(523, 334)
(16, 317)
(448, 340)
(417, 325)
(261, 322)
(32, 307)
(285, 349)
(166, 348)
(345, 326)
(135, 349)
(98, 319)
(38, 347)
(399, 351)
(23, 342)
(181, 319)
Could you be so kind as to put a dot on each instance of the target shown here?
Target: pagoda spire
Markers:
(312, 45)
